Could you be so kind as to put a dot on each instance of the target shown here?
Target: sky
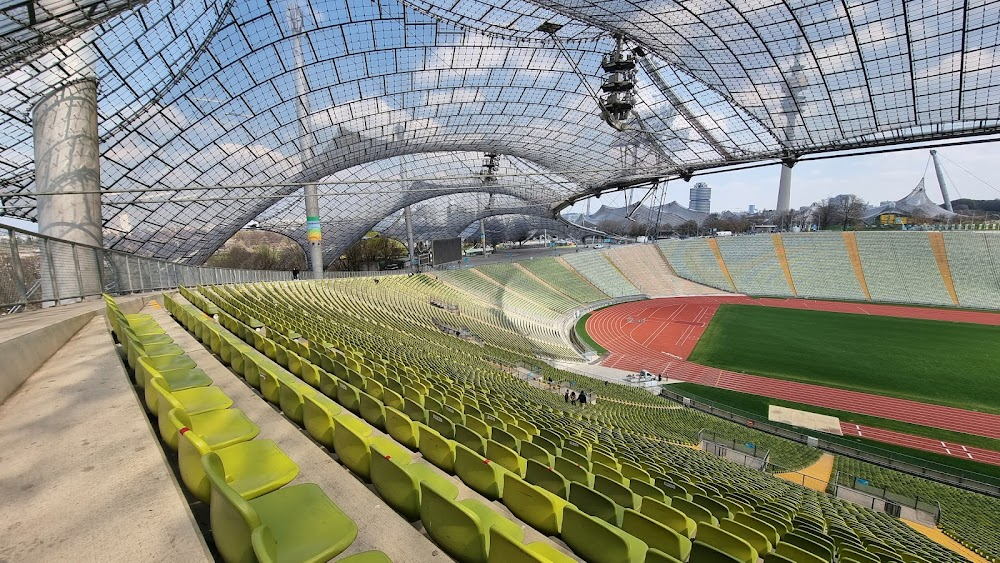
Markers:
(875, 178)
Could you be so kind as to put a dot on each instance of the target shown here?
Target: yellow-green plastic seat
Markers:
(726, 542)
(756, 539)
(291, 398)
(808, 543)
(573, 471)
(703, 553)
(441, 424)
(668, 516)
(372, 410)
(759, 526)
(349, 397)
(505, 549)
(547, 478)
(506, 457)
(505, 438)
(253, 468)
(436, 449)
(462, 528)
(272, 377)
(846, 554)
(532, 451)
(303, 523)
(644, 489)
(657, 556)
(194, 401)
(801, 555)
(392, 399)
(176, 380)
(401, 428)
(535, 506)
(479, 473)
(694, 511)
(780, 525)
(656, 535)
(595, 504)
(616, 491)
(352, 442)
(593, 539)
(166, 363)
(318, 414)
(718, 509)
(465, 436)
(398, 481)
(219, 428)
(453, 413)
(415, 411)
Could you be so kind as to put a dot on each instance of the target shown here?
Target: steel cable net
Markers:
(198, 94)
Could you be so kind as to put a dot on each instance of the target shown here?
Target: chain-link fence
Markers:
(36, 271)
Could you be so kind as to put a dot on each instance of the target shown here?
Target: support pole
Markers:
(785, 188)
(940, 176)
(407, 216)
(67, 159)
(314, 231)
(482, 235)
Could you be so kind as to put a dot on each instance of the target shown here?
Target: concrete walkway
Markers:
(82, 475)
(939, 537)
(815, 477)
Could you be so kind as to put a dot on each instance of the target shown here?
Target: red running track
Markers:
(662, 349)
(920, 443)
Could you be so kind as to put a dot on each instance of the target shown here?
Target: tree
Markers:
(825, 213)
(688, 228)
(851, 208)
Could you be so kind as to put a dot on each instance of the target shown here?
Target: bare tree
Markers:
(851, 208)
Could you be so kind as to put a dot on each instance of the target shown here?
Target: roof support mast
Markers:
(940, 176)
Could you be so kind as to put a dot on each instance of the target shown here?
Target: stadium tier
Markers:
(596, 268)
(695, 260)
(608, 481)
(558, 275)
(954, 268)
(515, 278)
(645, 267)
(901, 268)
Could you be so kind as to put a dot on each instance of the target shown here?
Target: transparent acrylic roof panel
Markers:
(818, 74)
(208, 107)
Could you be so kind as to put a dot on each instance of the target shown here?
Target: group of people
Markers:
(572, 398)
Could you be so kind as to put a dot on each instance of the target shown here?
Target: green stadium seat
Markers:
(718, 509)
(808, 542)
(506, 457)
(462, 529)
(436, 448)
(656, 535)
(573, 471)
(724, 541)
(212, 419)
(349, 397)
(593, 539)
(535, 506)
(756, 524)
(617, 492)
(465, 436)
(668, 516)
(657, 556)
(505, 549)
(441, 424)
(505, 438)
(415, 411)
(479, 473)
(704, 553)
(318, 414)
(302, 523)
(401, 428)
(177, 380)
(595, 504)
(353, 446)
(798, 554)
(398, 483)
(372, 410)
(757, 540)
(644, 489)
(547, 478)
(532, 451)
(291, 398)
(576, 457)
(694, 511)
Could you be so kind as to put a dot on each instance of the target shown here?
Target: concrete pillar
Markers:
(785, 188)
(68, 183)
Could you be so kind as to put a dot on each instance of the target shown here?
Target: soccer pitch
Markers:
(956, 364)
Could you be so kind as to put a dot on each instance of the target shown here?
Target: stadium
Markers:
(777, 396)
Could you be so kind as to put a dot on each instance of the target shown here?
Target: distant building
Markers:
(751, 209)
(701, 198)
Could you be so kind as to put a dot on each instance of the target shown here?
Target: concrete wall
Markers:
(41, 334)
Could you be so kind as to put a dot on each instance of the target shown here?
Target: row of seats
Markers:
(693, 259)
(555, 273)
(596, 268)
(821, 267)
(254, 515)
(901, 268)
(973, 258)
(449, 429)
(512, 277)
(645, 267)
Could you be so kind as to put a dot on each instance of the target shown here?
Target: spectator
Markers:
(295, 273)
(583, 399)
(572, 398)
(566, 396)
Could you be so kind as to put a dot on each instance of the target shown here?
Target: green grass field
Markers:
(581, 331)
(755, 405)
(955, 364)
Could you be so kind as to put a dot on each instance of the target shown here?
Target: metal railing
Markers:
(925, 469)
(37, 270)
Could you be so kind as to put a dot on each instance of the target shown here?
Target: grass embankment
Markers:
(581, 331)
(758, 406)
(929, 361)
